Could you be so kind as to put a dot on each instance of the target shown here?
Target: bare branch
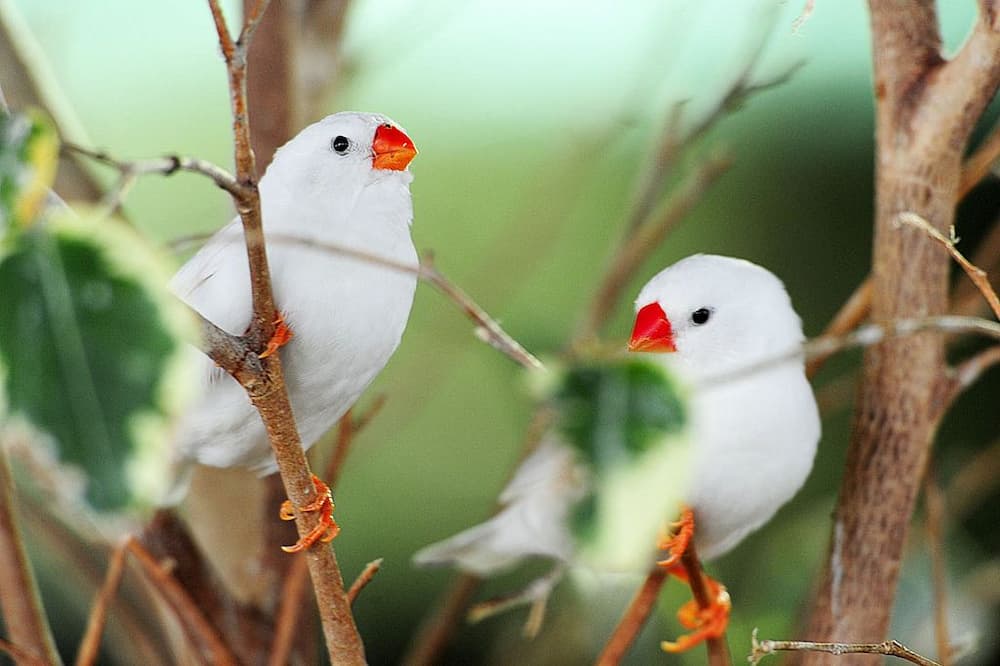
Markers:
(969, 371)
(439, 626)
(761, 649)
(165, 166)
(646, 239)
(934, 524)
(365, 577)
(23, 614)
(20, 655)
(91, 642)
(632, 621)
(252, 20)
(976, 274)
(195, 625)
(225, 39)
(718, 650)
(855, 310)
(980, 162)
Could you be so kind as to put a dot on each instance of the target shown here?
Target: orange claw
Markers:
(326, 529)
(707, 623)
(677, 543)
(280, 338)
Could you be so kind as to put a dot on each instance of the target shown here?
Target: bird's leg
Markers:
(280, 338)
(326, 529)
(708, 622)
(676, 543)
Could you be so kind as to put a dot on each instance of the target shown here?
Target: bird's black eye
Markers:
(700, 316)
(340, 144)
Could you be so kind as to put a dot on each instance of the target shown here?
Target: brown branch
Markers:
(267, 392)
(934, 528)
(965, 296)
(966, 373)
(365, 577)
(980, 162)
(646, 239)
(23, 613)
(292, 600)
(976, 274)
(439, 626)
(851, 314)
(925, 110)
(718, 650)
(632, 621)
(761, 649)
(91, 642)
(195, 625)
(165, 166)
(20, 655)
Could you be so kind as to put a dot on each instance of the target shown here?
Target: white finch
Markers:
(750, 437)
(342, 181)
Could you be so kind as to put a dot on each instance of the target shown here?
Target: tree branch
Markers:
(268, 393)
(90, 644)
(23, 614)
(934, 529)
(365, 577)
(976, 274)
(639, 245)
(200, 631)
(632, 621)
(761, 649)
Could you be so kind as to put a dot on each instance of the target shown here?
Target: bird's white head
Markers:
(344, 151)
(717, 313)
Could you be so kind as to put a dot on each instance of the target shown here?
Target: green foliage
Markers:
(628, 420)
(28, 151)
(613, 412)
(90, 341)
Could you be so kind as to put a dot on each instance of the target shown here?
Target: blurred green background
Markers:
(533, 121)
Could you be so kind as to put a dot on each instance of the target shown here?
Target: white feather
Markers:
(347, 315)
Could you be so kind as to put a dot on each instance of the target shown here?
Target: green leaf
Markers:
(29, 151)
(91, 345)
(614, 411)
(627, 419)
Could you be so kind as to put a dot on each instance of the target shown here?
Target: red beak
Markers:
(652, 331)
(391, 148)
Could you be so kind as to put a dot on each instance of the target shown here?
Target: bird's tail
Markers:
(533, 520)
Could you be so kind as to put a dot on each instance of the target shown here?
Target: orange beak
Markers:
(391, 148)
(652, 331)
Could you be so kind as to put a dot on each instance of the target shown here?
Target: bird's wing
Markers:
(215, 281)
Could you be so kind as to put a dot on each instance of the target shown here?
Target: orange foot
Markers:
(282, 334)
(677, 542)
(706, 623)
(326, 529)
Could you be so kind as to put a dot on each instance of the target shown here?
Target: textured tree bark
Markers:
(925, 110)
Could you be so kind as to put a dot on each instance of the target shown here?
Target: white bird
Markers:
(752, 437)
(342, 181)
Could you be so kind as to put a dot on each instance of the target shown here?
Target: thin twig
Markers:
(23, 613)
(198, 628)
(365, 577)
(632, 621)
(980, 162)
(167, 165)
(934, 504)
(439, 626)
(855, 310)
(487, 328)
(91, 642)
(966, 373)
(20, 655)
(646, 239)
(761, 649)
(976, 274)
